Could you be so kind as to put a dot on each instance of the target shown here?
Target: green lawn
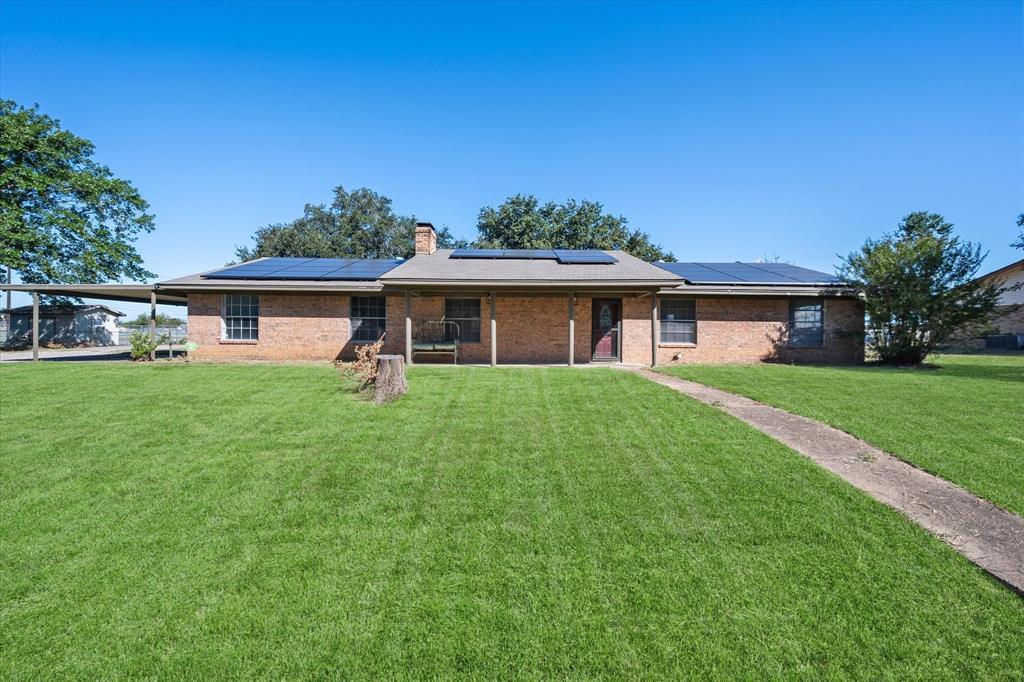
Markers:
(963, 421)
(257, 521)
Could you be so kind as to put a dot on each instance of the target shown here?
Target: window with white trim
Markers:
(241, 317)
(369, 318)
(678, 320)
(806, 323)
(464, 312)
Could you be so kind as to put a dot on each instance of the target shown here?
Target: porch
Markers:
(496, 327)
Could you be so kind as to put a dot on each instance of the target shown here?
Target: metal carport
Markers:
(140, 293)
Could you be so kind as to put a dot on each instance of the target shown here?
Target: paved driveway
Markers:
(98, 353)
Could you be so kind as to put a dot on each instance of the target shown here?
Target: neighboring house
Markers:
(516, 306)
(1008, 324)
(65, 325)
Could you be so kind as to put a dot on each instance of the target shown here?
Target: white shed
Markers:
(65, 325)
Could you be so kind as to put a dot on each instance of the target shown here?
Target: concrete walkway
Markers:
(991, 537)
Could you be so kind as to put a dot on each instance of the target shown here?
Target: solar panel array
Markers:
(568, 256)
(309, 269)
(583, 256)
(747, 273)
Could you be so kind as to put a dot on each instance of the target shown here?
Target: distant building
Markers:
(1007, 331)
(1010, 322)
(65, 325)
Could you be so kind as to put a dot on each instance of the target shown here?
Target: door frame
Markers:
(617, 357)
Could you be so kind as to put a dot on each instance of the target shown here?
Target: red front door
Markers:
(604, 333)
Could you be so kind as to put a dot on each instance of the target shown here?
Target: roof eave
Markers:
(134, 293)
(786, 290)
(529, 284)
(277, 287)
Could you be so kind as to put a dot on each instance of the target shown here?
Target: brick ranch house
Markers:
(516, 306)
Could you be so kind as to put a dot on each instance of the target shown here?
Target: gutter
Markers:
(567, 285)
(764, 291)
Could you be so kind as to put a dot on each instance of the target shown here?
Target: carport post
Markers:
(654, 329)
(10, 274)
(152, 322)
(35, 326)
(408, 327)
(572, 327)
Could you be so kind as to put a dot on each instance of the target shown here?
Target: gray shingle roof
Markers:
(438, 267)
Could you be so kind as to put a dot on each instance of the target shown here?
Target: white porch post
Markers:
(35, 326)
(654, 329)
(572, 327)
(494, 329)
(408, 327)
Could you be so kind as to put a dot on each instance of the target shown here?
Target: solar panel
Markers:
(370, 268)
(584, 256)
(798, 273)
(750, 274)
(529, 254)
(477, 253)
(697, 272)
(747, 273)
(308, 269)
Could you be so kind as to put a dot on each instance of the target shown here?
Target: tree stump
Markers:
(390, 382)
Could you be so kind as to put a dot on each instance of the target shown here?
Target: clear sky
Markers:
(727, 131)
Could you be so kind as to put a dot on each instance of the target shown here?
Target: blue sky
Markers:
(727, 131)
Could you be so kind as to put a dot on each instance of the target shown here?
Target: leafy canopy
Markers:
(1019, 244)
(920, 287)
(362, 224)
(357, 224)
(63, 217)
(522, 222)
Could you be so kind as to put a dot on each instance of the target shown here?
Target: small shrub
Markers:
(141, 346)
(364, 369)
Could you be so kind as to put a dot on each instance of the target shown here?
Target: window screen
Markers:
(678, 321)
(464, 312)
(241, 317)
(806, 323)
(369, 318)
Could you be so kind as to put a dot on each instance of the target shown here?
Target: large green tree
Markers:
(63, 217)
(920, 287)
(357, 224)
(522, 222)
(1019, 244)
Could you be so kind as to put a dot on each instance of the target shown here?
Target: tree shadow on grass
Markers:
(995, 371)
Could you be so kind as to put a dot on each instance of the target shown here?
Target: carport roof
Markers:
(111, 292)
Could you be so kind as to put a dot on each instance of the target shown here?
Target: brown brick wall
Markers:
(291, 327)
(754, 330)
(530, 330)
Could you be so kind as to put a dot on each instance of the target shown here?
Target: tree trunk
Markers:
(390, 382)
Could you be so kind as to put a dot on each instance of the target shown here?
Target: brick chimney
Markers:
(426, 239)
